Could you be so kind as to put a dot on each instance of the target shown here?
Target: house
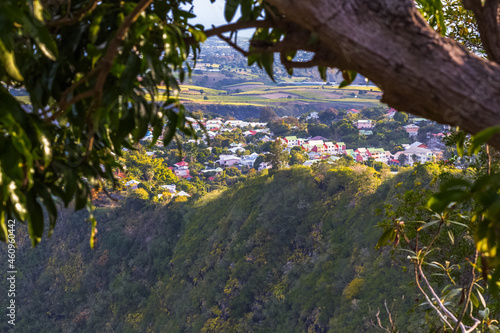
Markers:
(350, 152)
(417, 144)
(331, 148)
(181, 164)
(233, 123)
(391, 112)
(416, 154)
(248, 160)
(313, 142)
(379, 154)
(132, 183)
(229, 160)
(249, 133)
(320, 149)
(170, 188)
(309, 162)
(291, 141)
(314, 156)
(363, 153)
(341, 146)
(182, 173)
(265, 138)
(119, 174)
(264, 165)
(365, 132)
(235, 150)
(352, 111)
(256, 124)
(362, 124)
(411, 129)
(313, 115)
(182, 194)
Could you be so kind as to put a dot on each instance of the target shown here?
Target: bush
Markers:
(139, 193)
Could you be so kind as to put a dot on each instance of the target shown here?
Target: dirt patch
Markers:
(248, 87)
(279, 95)
(328, 94)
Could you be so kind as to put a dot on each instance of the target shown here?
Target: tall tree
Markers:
(278, 156)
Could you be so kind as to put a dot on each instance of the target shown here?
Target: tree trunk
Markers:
(418, 70)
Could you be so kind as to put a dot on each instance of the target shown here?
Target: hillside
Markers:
(290, 252)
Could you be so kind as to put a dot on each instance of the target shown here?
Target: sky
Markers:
(210, 14)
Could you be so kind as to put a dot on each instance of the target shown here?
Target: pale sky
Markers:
(210, 14)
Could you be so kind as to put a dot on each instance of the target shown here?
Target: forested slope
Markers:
(289, 252)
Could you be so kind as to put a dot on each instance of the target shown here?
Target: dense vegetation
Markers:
(292, 251)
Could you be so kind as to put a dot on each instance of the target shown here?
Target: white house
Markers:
(170, 188)
(248, 160)
(361, 124)
(411, 129)
(228, 160)
(416, 154)
(264, 165)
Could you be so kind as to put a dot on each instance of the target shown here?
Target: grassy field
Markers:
(260, 94)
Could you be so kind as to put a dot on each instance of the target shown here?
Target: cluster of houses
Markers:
(169, 190)
(318, 148)
(218, 125)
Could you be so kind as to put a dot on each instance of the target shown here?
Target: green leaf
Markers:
(481, 138)
(322, 72)
(452, 238)
(8, 60)
(246, 9)
(230, 9)
(95, 27)
(349, 76)
(387, 236)
(440, 201)
(46, 43)
(35, 224)
(474, 300)
(481, 298)
(267, 62)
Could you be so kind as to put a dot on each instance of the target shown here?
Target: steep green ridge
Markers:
(290, 252)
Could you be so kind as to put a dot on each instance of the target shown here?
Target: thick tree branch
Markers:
(418, 70)
(488, 22)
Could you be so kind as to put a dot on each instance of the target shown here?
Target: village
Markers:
(226, 149)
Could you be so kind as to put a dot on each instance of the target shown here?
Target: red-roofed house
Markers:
(182, 173)
(181, 164)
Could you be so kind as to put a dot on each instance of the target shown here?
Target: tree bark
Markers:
(418, 70)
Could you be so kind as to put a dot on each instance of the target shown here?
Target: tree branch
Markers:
(488, 22)
(418, 70)
(443, 318)
(104, 65)
(77, 16)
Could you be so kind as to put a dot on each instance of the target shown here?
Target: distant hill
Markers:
(289, 252)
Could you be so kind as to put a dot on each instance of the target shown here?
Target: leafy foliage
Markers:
(291, 250)
(92, 70)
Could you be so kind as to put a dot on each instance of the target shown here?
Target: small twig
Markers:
(443, 318)
(215, 31)
(389, 314)
(234, 45)
(76, 16)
